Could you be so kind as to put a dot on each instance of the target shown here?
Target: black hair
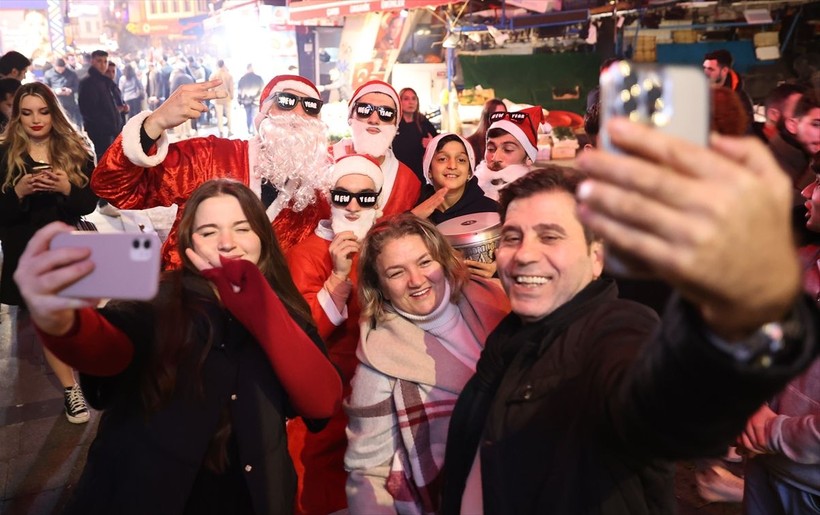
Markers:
(13, 60)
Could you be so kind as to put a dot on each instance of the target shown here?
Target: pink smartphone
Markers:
(126, 265)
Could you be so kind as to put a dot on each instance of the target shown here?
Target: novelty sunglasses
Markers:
(517, 118)
(366, 199)
(363, 111)
(288, 101)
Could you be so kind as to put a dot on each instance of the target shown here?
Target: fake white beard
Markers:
(293, 157)
(338, 222)
(374, 145)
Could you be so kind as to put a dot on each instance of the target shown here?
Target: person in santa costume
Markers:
(512, 146)
(323, 267)
(374, 112)
(285, 164)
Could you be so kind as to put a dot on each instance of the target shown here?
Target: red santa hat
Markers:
(357, 164)
(430, 152)
(374, 86)
(282, 82)
(523, 125)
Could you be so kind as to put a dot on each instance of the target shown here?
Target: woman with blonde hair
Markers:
(424, 323)
(45, 168)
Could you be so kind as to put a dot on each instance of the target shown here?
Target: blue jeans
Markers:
(250, 114)
(766, 494)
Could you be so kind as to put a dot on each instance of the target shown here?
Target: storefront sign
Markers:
(308, 9)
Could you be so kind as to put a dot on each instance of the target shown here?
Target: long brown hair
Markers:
(392, 228)
(272, 262)
(66, 148)
(182, 313)
(478, 139)
(417, 116)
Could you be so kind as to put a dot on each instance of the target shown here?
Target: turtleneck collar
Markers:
(438, 318)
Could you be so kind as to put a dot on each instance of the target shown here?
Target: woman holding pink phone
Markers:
(45, 168)
(195, 385)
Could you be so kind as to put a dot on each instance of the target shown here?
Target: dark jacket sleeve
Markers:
(81, 200)
(684, 397)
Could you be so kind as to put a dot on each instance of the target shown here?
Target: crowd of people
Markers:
(318, 346)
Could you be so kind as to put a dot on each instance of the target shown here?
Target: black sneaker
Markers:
(75, 409)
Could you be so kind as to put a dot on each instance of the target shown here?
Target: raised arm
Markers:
(70, 328)
(310, 379)
(325, 292)
(714, 222)
(138, 173)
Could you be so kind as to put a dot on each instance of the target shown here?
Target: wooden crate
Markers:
(685, 36)
(762, 39)
(645, 50)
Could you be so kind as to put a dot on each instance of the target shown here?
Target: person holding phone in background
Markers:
(45, 168)
(195, 385)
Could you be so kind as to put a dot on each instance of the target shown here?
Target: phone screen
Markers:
(39, 168)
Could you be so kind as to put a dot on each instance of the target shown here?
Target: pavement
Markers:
(42, 454)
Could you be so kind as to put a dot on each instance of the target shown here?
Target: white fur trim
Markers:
(294, 85)
(515, 130)
(357, 164)
(376, 88)
(254, 181)
(132, 148)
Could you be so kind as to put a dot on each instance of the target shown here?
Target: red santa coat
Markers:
(129, 178)
(319, 457)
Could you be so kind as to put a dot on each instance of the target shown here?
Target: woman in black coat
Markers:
(415, 131)
(45, 168)
(196, 385)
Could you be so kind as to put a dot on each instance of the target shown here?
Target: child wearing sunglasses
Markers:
(323, 268)
(374, 111)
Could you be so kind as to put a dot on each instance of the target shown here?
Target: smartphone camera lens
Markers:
(146, 244)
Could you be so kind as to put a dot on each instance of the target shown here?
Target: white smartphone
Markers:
(126, 265)
(673, 99)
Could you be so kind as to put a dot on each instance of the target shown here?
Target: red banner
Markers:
(312, 9)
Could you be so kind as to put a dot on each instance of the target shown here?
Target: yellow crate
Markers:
(645, 56)
(646, 43)
(762, 39)
(685, 36)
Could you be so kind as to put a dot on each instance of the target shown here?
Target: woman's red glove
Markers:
(310, 379)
